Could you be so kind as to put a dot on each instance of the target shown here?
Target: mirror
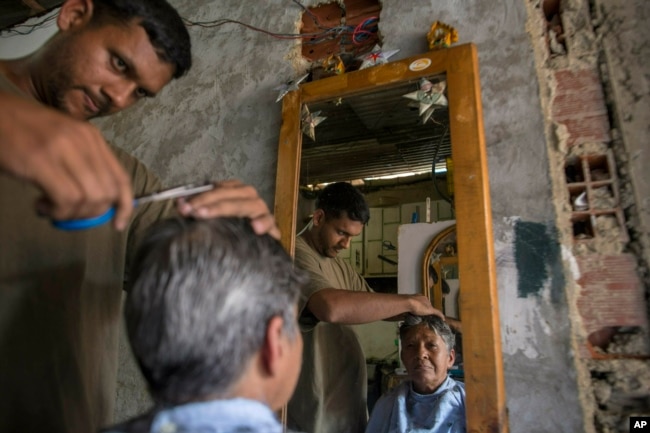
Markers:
(440, 272)
(458, 68)
(442, 285)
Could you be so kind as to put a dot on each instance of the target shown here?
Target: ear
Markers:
(74, 13)
(319, 217)
(452, 358)
(273, 350)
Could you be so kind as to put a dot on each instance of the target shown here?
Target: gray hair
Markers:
(434, 323)
(203, 293)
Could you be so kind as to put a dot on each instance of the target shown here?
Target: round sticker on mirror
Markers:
(420, 64)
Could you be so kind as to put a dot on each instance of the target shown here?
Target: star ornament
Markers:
(428, 97)
(376, 57)
(309, 121)
(289, 86)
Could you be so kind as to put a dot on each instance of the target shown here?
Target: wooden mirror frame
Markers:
(485, 401)
(436, 301)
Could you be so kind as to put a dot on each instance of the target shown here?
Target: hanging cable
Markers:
(349, 35)
(433, 170)
(365, 30)
(26, 29)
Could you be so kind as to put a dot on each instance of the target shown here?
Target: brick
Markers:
(357, 11)
(330, 15)
(579, 104)
(588, 129)
(569, 80)
(611, 292)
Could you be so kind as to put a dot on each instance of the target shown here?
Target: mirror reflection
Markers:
(377, 134)
(440, 272)
(396, 202)
(394, 145)
(441, 267)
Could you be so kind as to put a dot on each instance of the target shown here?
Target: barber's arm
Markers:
(352, 307)
(65, 158)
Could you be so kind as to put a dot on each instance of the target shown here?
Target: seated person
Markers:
(211, 318)
(430, 401)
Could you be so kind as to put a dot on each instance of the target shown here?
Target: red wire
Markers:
(358, 30)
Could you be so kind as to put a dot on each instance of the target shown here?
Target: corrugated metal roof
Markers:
(374, 134)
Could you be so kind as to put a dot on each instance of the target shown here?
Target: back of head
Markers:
(160, 20)
(434, 323)
(203, 292)
(341, 197)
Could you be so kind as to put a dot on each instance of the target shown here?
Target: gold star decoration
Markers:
(309, 121)
(428, 97)
(333, 65)
(441, 35)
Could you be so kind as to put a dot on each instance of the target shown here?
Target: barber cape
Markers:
(404, 410)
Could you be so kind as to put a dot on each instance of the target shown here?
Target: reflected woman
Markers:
(430, 401)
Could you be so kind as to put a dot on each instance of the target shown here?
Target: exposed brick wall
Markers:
(334, 14)
(611, 314)
(611, 293)
(579, 104)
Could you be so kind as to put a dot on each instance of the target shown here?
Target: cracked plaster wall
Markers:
(627, 70)
(606, 43)
(221, 121)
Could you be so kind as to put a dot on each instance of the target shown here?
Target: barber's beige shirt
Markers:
(331, 393)
(60, 298)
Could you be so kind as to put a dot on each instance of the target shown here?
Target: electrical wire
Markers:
(357, 35)
(26, 29)
(433, 170)
(220, 22)
(365, 30)
(310, 13)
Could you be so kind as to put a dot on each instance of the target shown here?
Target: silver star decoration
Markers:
(428, 96)
(309, 121)
(289, 86)
(376, 57)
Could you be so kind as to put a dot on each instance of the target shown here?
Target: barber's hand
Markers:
(232, 199)
(67, 159)
(421, 306)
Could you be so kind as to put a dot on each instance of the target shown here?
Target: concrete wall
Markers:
(221, 121)
(538, 362)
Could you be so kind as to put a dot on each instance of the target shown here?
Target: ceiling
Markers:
(14, 12)
(373, 134)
